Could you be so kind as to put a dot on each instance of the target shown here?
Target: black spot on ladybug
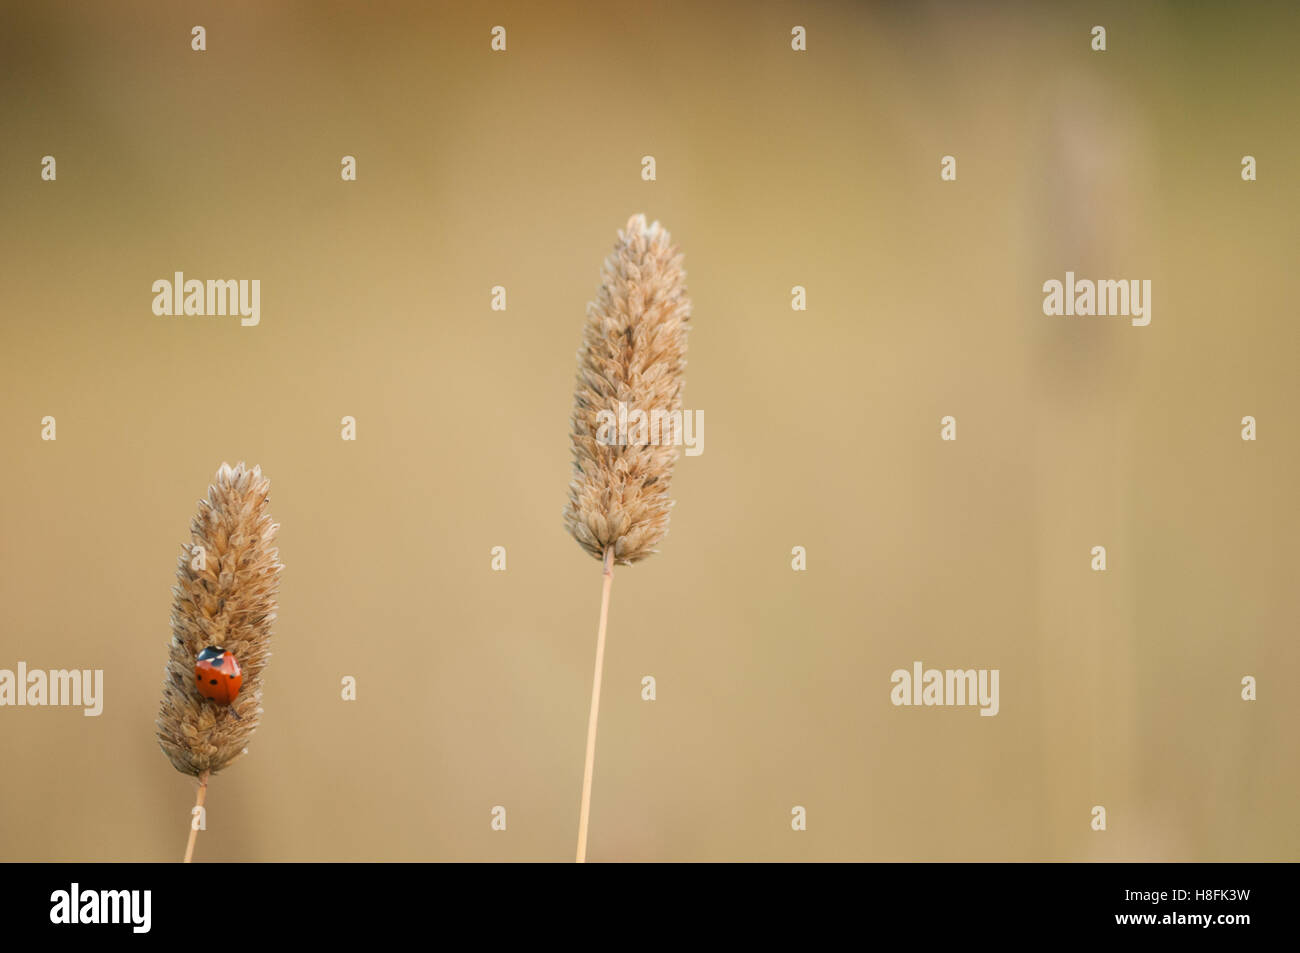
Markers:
(212, 681)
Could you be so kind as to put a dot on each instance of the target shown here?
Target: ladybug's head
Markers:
(213, 654)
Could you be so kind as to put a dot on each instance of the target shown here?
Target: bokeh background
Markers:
(775, 168)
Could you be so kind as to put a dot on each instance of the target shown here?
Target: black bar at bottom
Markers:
(219, 903)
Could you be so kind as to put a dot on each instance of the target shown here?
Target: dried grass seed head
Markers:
(633, 353)
(229, 602)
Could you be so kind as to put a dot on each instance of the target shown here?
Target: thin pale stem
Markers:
(194, 827)
(595, 707)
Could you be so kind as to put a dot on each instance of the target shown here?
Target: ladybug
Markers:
(217, 674)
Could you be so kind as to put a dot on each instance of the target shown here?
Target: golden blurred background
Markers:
(775, 168)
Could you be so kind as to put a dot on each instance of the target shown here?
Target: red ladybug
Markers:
(217, 675)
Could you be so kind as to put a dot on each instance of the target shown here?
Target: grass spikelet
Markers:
(633, 354)
(227, 578)
(632, 360)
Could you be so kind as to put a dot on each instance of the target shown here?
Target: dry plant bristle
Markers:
(633, 353)
(231, 603)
